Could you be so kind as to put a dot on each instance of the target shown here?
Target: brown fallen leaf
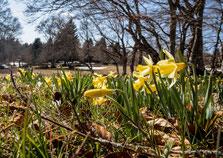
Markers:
(13, 106)
(176, 148)
(102, 132)
(175, 123)
(118, 116)
(86, 113)
(65, 111)
(118, 155)
(161, 124)
(8, 97)
(146, 113)
(219, 114)
(178, 140)
(36, 127)
(18, 119)
(161, 138)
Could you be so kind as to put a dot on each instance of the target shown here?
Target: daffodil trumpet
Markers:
(95, 93)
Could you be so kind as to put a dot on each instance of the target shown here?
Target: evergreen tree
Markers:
(101, 51)
(67, 43)
(36, 50)
(87, 48)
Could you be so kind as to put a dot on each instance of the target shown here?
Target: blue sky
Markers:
(28, 33)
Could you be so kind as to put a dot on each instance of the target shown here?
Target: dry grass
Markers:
(49, 72)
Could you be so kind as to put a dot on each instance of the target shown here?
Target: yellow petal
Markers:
(8, 77)
(180, 66)
(172, 74)
(148, 61)
(141, 68)
(170, 56)
(99, 100)
(174, 80)
(94, 93)
(163, 62)
(152, 87)
(146, 71)
(167, 69)
(138, 83)
(151, 60)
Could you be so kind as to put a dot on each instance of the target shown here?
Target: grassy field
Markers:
(161, 110)
(50, 72)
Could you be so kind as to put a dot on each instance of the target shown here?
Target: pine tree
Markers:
(36, 50)
(67, 43)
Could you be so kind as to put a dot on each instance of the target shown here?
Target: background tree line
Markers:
(143, 26)
(121, 31)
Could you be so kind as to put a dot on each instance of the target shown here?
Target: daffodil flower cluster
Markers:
(168, 68)
(100, 82)
(21, 72)
(48, 80)
(68, 75)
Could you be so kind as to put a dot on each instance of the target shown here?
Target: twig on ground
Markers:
(82, 144)
(10, 125)
(13, 82)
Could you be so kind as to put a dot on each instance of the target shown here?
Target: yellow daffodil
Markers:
(97, 101)
(48, 80)
(33, 75)
(59, 81)
(95, 93)
(139, 82)
(112, 74)
(147, 70)
(152, 87)
(21, 72)
(99, 81)
(68, 75)
(169, 68)
(8, 77)
(141, 68)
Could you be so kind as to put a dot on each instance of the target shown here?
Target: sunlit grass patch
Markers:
(157, 107)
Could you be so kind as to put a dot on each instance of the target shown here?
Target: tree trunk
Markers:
(216, 44)
(53, 64)
(124, 65)
(140, 57)
(133, 59)
(173, 24)
(221, 57)
(197, 49)
(183, 37)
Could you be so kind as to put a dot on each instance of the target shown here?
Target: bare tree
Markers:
(9, 25)
(150, 23)
(219, 11)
